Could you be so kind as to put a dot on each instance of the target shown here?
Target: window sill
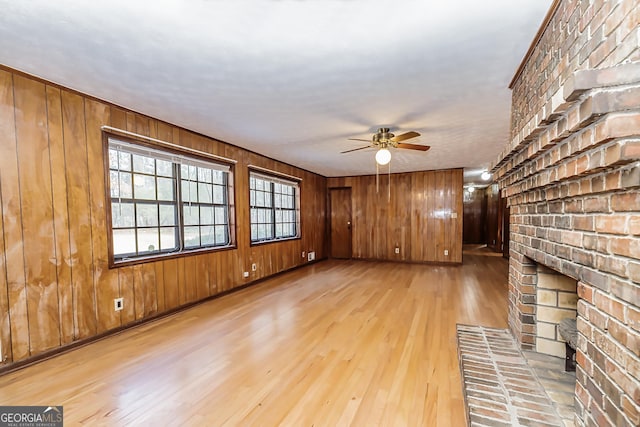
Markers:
(166, 256)
(266, 242)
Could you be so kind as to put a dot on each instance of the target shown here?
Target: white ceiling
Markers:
(293, 79)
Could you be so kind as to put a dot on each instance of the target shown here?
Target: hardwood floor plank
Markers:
(334, 343)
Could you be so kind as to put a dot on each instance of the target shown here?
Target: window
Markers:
(163, 202)
(274, 208)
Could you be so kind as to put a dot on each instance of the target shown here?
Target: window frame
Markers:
(178, 158)
(273, 178)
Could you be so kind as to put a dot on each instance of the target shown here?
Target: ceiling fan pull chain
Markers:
(389, 174)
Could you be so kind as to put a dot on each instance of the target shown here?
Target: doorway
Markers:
(340, 205)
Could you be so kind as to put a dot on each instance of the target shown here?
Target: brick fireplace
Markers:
(571, 176)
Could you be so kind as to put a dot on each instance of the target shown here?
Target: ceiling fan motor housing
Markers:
(383, 137)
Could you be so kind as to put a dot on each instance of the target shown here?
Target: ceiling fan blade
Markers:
(356, 149)
(414, 146)
(358, 139)
(405, 136)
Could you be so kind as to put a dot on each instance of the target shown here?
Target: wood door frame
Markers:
(328, 219)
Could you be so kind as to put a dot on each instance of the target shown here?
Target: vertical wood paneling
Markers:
(417, 218)
(12, 222)
(75, 145)
(37, 214)
(5, 326)
(53, 204)
(60, 214)
(104, 279)
(171, 287)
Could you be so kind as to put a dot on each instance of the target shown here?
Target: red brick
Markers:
(625, 336)
(586, 223)
(632, 318)
(633, 225)
(611, 224)
(624, 202)
(630, 386)
(596, 204)
(609, 305)
(585, 292)
(625, 290)
(625, 246)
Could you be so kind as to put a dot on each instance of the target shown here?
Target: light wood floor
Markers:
(337, 343)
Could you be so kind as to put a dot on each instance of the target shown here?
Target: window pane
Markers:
(259, 184)
(146, 215)
(124, 241)
(168, 238)
(144, 164)
(189, 172)
(204, 175)
(191, 237)
(113, 159)
(204, 193)
(277, 200)
(221, 216)
(122, 215)
(278, 230)
(252, 198)
(189, 191)
(190, 215)
(206, 235)
(254, 216)
(277, 188)
(125, 162)
(164, 168)
(221, 234)
(218, 194)
(124, 185)
(165, 189)
(259, 198)
(167, 215)
(278, 216)
(144, 187)
(113, 183)
(219, 177)
(206, 215)
(254, 232)
(148, 240)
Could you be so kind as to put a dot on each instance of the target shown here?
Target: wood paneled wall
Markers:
(55, 283)
(417, 218)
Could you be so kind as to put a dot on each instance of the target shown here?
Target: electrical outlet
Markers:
(303, 254)
(454, 215)
(446, 252)
(311, 256)
(245, 274)
(118, 304)
(397, 250)
(254, 267)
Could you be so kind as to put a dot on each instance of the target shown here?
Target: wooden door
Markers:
(340, 201)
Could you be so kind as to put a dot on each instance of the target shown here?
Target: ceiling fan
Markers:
(383, 139)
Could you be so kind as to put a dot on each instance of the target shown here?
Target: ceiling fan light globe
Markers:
(486, 176)
(383, 156)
